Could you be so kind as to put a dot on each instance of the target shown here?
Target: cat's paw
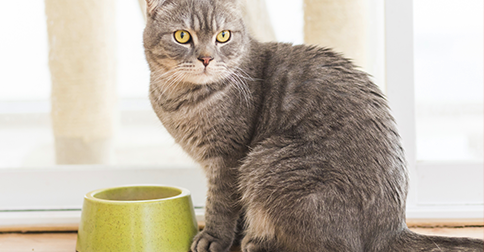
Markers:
(205, 242)
(253, 247)
(259, 245)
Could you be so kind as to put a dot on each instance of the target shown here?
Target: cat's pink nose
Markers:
(205, 60)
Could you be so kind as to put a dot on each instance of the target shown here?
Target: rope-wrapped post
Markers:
(258, 21)
(82, 64)
(341, 25)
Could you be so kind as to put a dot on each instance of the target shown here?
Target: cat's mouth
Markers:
(203, 76)
(199, 74)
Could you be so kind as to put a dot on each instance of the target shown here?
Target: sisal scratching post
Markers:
(257, 20)
(337, 24)
(82, 66)
(142, 6)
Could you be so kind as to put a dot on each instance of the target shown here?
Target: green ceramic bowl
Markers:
(137, 219)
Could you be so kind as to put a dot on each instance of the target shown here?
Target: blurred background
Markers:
(448, 81)
(75, 114)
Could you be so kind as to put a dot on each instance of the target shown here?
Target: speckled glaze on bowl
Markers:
(148, 218)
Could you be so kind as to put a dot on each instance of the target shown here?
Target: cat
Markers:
(298, 145)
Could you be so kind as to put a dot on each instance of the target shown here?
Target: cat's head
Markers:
(194, 41)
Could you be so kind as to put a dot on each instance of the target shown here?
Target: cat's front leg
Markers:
(221, 211)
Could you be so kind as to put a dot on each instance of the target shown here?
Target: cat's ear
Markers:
(152, 6)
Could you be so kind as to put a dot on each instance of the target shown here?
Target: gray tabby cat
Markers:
(295, 142)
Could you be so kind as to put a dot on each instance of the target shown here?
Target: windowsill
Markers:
(68, 221)
(52, 221)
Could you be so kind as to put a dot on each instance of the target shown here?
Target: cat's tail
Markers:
(410, 241)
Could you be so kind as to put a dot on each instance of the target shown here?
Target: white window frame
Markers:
(53, 196)
(453, 180)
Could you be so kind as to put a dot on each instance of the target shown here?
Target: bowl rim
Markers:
(90, 195)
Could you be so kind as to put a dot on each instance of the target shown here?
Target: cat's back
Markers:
(318, 104)
(312, 91)
(307, 58)
(326, 128)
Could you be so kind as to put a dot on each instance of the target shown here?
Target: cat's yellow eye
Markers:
(223, 36)
(182, 37)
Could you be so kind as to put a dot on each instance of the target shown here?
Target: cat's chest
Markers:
(190, 119)
(200, 128)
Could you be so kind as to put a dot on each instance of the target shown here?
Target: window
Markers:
(439, 188)
(30, 179)
(445, 182)
(448, 80)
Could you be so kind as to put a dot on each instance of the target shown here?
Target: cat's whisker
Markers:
(164, 72)
(242, 78)
(245, 75)
(168, 83)
(159, 88)
(167, 78)
(175, 81)
(162, 76)
(240, 85)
